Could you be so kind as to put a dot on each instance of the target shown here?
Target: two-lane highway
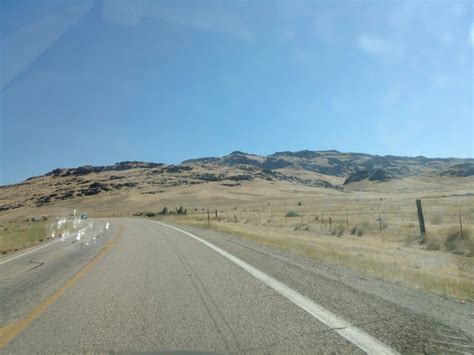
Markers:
(146, 286)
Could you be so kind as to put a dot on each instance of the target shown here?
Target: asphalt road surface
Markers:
(144, 286)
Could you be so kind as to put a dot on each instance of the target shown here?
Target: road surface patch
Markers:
(357, 336)
(9, 332)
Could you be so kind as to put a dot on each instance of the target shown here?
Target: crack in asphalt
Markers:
(38, 264)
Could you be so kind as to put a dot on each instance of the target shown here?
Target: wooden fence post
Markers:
(208, 218)
(421, 220)
(216, 213)
(330, 223)
(347, 221)
(460, 226)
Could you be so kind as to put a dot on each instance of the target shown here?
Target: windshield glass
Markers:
(236, 176)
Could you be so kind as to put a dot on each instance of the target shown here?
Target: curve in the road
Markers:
(8, 333)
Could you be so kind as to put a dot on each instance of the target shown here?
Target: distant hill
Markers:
(465, 169)
(332, 162)
(328, 169)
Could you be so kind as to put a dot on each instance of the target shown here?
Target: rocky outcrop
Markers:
(460, 170)
(173, 169)
(275, 163)
(357, 176)
(240, 178)
(378, 175)
(88, 169)
(234, 169)
(332, 162)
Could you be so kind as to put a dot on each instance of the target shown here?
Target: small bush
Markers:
(360, 229)
(299, 203)
(164, 212)
(293, 214)
(181, 211)
(146, 214)
(459, 244)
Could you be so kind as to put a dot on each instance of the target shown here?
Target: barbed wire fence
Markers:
(395, 218)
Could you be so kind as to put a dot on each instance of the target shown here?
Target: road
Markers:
(145, 286)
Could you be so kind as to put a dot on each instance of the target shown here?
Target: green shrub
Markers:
(360, 229)
(181, 211)
(164, 212)
(293, 214)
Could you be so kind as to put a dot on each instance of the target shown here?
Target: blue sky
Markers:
(96, 82)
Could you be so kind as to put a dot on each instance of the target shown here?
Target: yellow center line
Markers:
(9, 332)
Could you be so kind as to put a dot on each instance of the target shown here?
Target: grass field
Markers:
(15, 236)
(372, 229)
(404, 261)
(372, 233)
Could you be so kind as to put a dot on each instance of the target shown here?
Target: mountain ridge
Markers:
(333, 162)
(353, 163)
(328, 170)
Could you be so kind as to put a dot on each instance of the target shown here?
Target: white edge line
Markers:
(358, 337)
(29, 252)
(33, 250)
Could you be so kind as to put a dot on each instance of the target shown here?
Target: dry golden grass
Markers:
(382, 215)
(14, 236)
(373, 255)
